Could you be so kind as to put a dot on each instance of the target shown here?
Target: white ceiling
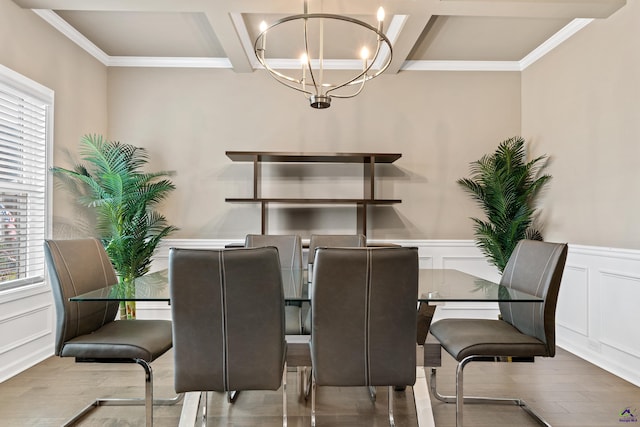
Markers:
(426, 34)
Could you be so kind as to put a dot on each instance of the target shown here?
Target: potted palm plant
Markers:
(505, 186)
(124, 198)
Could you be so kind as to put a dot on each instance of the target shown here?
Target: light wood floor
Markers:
(566, 390)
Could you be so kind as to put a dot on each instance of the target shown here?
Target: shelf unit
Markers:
(369, 161)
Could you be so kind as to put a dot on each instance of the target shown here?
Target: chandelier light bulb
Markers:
(263, 26)
(380, 14)
(364, 53)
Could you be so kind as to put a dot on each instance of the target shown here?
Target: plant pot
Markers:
(127, 308)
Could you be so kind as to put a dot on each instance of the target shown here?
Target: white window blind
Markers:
(24, 132)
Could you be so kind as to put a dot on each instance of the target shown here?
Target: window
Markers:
(25, 137)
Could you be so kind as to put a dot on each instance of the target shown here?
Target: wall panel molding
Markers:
(573, 302)
(26, 328)
(601, 286)
(619, 296)
(37, 321)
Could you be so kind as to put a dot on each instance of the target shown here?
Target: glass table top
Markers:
(435, 285)
(442, 285)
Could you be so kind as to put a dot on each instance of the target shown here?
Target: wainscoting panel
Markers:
(573, 301)
(620, 298)
(26, 328)
(598, 313)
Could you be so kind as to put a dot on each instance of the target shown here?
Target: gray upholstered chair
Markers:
(525, 330)
(87, 330)
(363, 309)
(221, 341)
(334, 241)
(290, 252)
(328, 241)
(289, 247)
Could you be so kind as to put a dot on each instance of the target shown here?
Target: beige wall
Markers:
(187, 118)
(439, 121)
(581, 105)
(31, 47)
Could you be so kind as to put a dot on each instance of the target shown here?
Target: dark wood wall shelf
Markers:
(369, 161)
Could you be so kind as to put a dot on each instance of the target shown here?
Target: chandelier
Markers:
(311, 76)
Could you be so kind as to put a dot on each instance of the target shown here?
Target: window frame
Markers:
(23, 86)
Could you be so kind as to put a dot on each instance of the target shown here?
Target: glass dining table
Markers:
(434, 286)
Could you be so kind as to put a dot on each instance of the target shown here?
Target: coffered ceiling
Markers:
(426, 34)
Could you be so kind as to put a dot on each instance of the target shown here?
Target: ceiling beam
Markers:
(230, 41)
(406, 40)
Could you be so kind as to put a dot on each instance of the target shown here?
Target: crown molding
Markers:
(72, 34)
(411, 65)
(554, 41)
(167, 62)
(460, 66)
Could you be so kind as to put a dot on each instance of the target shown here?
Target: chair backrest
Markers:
(535, 268)
(289, 247)
(75, 267)
(334, 241)
(221, 341)
(364, 316)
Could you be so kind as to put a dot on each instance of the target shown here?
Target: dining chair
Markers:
(363, 311)
(222, 342)
(290, 253)
(289, 247)
(88, 330)
(329, 241)
(525, 329)
(334, 240)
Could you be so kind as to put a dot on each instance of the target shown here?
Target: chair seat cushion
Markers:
(122, 339)
(484, 337)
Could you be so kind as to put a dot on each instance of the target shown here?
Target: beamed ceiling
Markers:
(426, 34)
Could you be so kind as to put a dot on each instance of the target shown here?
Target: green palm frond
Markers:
(123, 197)
(505, 187)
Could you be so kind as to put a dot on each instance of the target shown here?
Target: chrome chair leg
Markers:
(232, 396)
(372, 393)
(204, 398)
(313, 401)
(392, 421)
(148, 401)
(307, 372)
(148, 391)
(284, 396)
(459, 399)
(459, 392)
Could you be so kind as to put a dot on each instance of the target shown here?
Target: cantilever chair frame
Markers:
(477, 399)
(109, 277)
(148, 401)
(551, 261)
